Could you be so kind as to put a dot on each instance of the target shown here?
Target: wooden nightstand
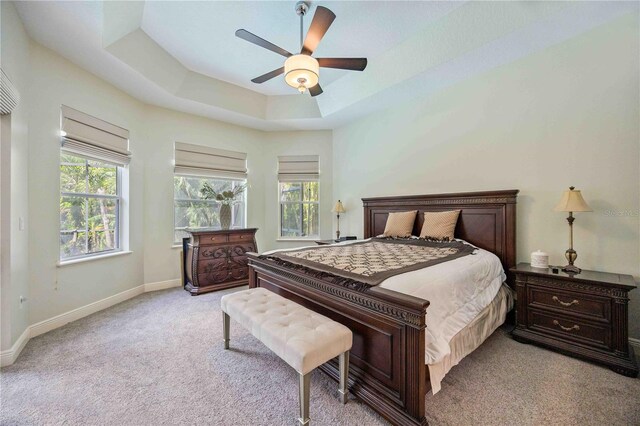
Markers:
(583, 315)
(325, 242)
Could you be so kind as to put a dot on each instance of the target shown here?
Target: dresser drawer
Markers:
(214, 277)
(570, 328)
(239, 273)
(208, 266)
(214, 252)
(241, 249)
(569, 302)
(238, 261)
(214, 239)
(235, 238)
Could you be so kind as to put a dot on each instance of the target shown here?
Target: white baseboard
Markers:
(9, 356)
(162, 285)
(74, 315)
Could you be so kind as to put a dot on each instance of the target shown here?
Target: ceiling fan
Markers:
(302, 71)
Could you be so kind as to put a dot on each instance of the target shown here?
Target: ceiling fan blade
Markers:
(252, 38)
(268, 76)
(353, 64)
(315, 90)
(319, 25)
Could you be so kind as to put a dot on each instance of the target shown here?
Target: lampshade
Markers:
(339, 208)
(572, 201)
(301, 72)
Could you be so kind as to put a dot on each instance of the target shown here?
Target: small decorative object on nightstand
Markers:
(571, 202)
(338, 208)
(583, 315)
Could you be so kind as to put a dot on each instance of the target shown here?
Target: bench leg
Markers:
(304, 399)
(225, 329)
(344, 376)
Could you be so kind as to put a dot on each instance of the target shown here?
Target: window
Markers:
(90, 201)
(191, 211)
(299, 209)
(93, 158)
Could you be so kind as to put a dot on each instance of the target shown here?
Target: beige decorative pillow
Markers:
(439, 225)
(400, 224)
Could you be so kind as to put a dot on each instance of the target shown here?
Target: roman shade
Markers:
(9, 96)
(201, 160)
(298, 167)
(88, 136)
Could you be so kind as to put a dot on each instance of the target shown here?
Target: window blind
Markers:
(298, 167)
(201, 160)
(91, 137)
(9, 96)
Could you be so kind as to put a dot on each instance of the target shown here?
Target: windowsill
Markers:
(298, 239)
(62, 263)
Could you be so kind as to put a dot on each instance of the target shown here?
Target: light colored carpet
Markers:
(158, 359)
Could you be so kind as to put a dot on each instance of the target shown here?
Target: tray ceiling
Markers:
(185, 56)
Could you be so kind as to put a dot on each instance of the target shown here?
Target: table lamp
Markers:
(338, 208)
(571, 202)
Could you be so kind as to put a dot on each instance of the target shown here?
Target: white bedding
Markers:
(458, 290)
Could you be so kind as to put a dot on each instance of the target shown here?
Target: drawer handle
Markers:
(575, 327)
(573, 302)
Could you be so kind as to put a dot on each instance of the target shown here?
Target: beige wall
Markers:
(15, 157)
(565, 116)
(163, 127)
(153, 130)
(56, 290)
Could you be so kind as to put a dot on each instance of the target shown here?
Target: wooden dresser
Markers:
(216, 259)
(584, 315)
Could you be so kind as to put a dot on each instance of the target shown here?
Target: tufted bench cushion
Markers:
(301, 337)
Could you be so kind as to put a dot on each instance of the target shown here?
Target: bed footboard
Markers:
(387, 362)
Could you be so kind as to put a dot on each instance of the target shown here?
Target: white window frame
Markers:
(280, 203)
(233, 207)
(119, 216)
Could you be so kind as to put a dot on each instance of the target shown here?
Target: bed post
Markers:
(416, 386)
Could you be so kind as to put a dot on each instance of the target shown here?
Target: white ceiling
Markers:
(185, 56)
(202, 35)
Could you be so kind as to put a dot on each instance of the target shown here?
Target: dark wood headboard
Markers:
(487, 219)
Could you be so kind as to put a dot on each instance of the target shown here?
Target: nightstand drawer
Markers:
(570, 328)
(587, 305)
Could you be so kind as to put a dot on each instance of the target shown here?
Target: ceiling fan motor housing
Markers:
(301, 70)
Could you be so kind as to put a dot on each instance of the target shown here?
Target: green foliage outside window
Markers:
(192, 210)
(299, 214)
(89, 206)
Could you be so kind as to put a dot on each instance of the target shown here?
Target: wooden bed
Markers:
(388, 370)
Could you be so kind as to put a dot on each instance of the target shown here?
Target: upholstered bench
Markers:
(301, 337)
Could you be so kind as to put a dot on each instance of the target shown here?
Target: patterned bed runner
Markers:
(371, 262)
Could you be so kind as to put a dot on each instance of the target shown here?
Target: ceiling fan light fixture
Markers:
(301, 72)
